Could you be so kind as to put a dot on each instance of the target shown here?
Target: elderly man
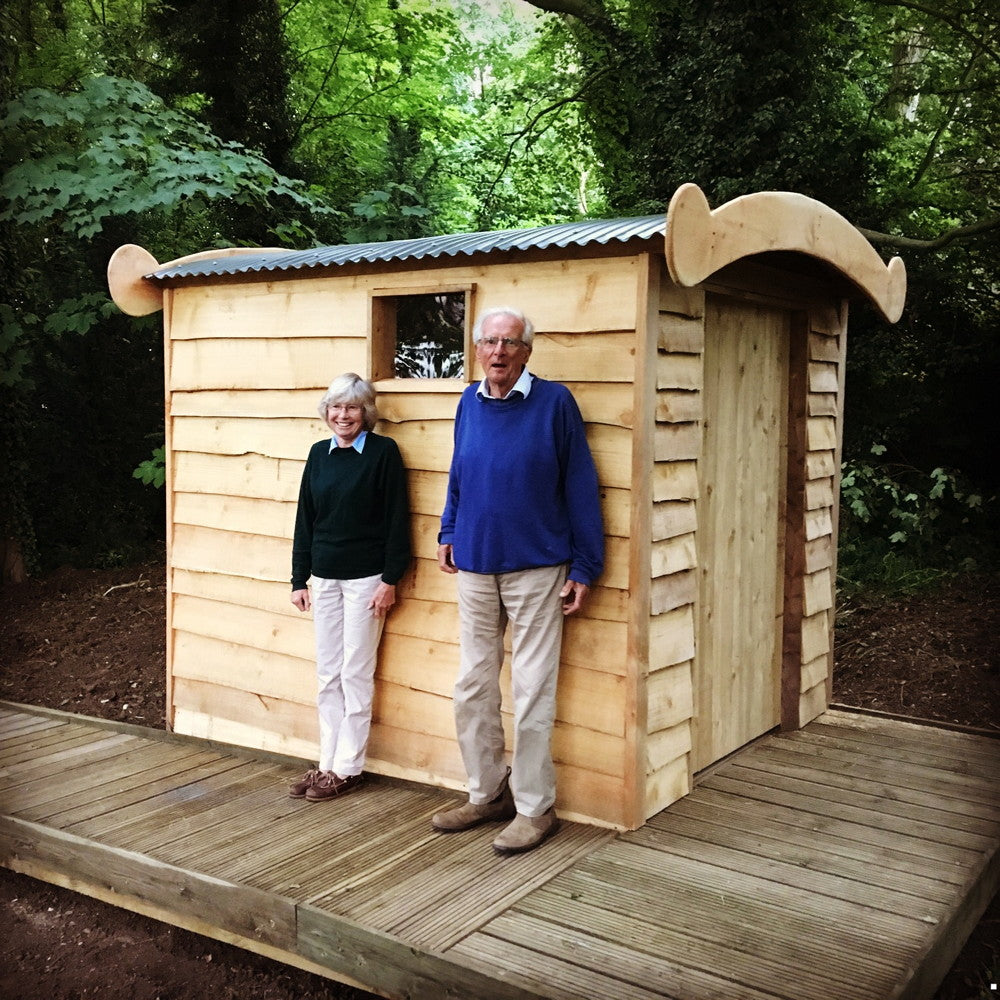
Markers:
(522, 529)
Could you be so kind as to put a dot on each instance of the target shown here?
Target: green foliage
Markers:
(84, 171)
(14, 356)
(153, 472)
(379, 213)
(112, 149)
(734, 96)
(902, 528)
(524, 156)
(230, 59)
(178, 126)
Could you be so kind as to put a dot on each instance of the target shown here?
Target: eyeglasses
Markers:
(508, 343)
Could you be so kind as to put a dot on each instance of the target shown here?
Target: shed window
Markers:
(420, 336)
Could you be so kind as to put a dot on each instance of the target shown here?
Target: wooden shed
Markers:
(706, 351)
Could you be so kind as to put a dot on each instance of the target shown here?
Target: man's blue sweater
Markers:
(522, 491)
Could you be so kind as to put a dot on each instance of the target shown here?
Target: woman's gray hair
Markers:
(351, 388)
(529, 329)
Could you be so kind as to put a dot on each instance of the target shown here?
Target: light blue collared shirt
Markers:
(358, 444)
(522, 385)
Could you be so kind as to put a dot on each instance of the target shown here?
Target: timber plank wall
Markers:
(246, 365)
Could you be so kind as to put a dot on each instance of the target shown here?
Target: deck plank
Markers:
(558, 979)
(730, 896)
(316, 867)
(904, 854)
(117, 795)
(39, 747)
(444, 901)
(870, 866)
(913, 782)
(521, 942)
(169, 817)
(960, 752)
(938, 842)
(214, 836)
(235, 909)
(37, 762)
(126, 764)
(884, 796)
(959, 780)
(14, 726)
(694, 930)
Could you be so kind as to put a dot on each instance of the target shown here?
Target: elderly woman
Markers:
(352, 541)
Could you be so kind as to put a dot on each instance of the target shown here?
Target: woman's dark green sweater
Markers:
(353, 515)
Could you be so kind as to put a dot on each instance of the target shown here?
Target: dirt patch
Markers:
(930, 655)
(92, 642)
(87, 641)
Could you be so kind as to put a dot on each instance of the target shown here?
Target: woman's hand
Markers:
(383, 600)
(300, 598)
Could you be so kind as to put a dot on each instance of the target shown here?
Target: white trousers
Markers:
(529, 600)
(347, 638)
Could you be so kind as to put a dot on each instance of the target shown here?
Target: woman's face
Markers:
(346, 420)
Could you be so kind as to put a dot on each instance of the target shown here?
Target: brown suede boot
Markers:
(465, 817)
(526, 833)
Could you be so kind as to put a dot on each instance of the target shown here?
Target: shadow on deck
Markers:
(847, 860)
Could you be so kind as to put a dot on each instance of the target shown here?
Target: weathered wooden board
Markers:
(237, 909)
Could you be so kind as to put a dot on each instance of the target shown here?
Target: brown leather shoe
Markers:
(526, 833)
(298, 789)
(465, 817)
(330, 786)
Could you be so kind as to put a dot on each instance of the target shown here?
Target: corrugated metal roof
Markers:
(561, 235)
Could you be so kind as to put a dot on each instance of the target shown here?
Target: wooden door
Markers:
(737, 678)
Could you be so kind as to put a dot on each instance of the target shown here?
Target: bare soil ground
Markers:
(92, 642)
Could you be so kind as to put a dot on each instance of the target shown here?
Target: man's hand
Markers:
(573, 595)
(300, 598)
(445, 561)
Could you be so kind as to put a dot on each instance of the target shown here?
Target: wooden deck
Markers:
(848, 860)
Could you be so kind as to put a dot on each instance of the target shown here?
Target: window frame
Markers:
(382, 313)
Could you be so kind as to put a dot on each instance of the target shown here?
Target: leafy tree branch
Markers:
(980, 228)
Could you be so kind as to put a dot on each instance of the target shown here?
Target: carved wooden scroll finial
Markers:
(700, 241)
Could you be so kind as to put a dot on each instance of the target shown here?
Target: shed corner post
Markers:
(168, 485)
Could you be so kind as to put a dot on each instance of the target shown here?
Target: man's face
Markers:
(502, 364)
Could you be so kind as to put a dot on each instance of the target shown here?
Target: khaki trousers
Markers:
(529, 599)
(347, 638)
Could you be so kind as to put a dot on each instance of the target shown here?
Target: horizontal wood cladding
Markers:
(249, 362)
(825, 360)
(263, 362)
(677, 444)
(424, 444)
(671, 700)
(568, 295)
(675, 481)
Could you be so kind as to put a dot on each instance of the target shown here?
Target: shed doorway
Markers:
(742, 473)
